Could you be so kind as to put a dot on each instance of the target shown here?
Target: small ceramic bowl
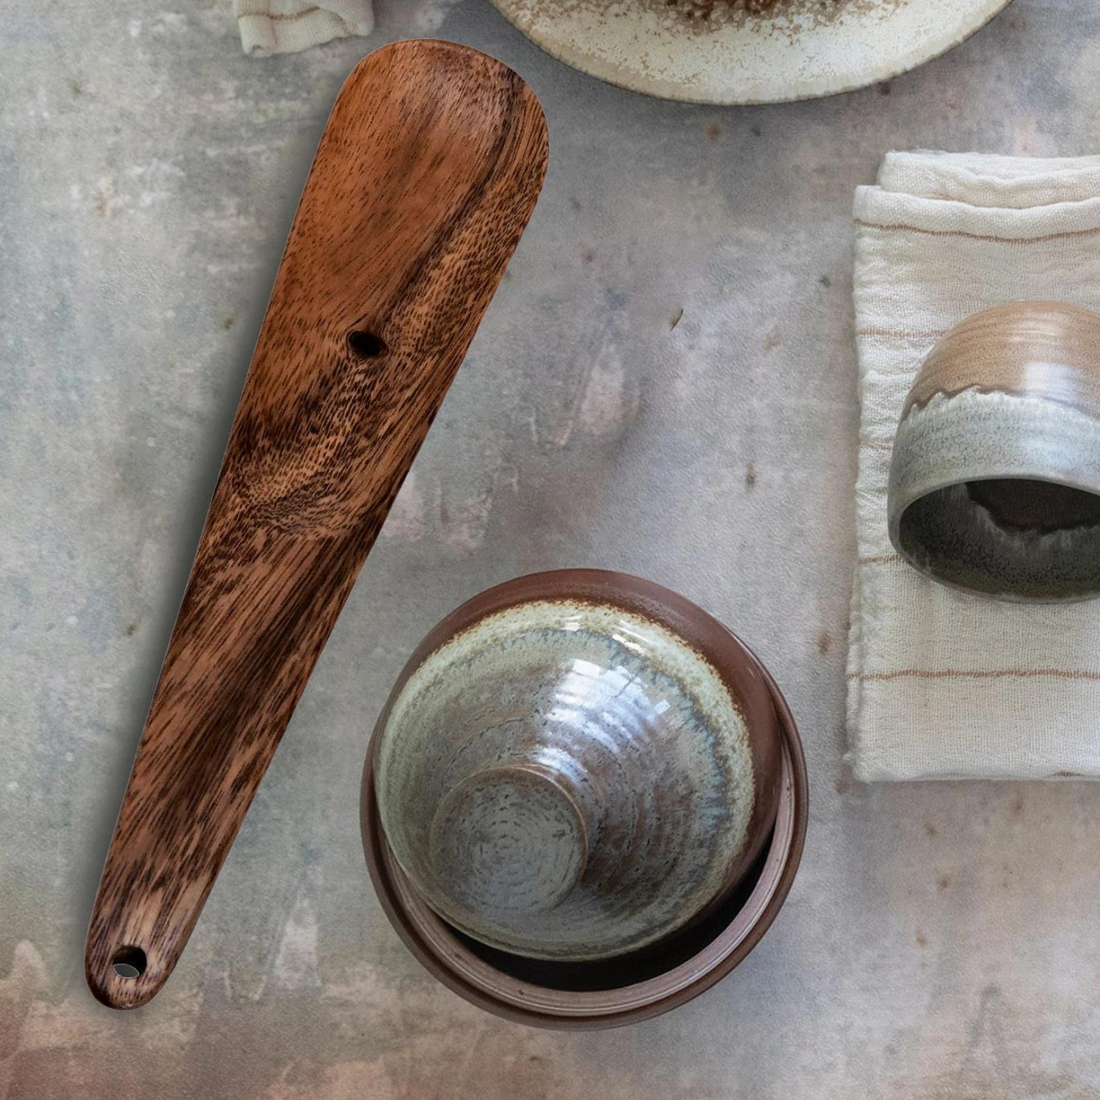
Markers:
(995, 475)
(584, 801)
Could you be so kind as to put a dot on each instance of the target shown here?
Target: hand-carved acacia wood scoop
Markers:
(425, 177)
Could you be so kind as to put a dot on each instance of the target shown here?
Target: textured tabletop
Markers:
(665, 384)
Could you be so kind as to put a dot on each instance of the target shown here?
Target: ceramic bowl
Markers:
(995, 474)
(797, 49)
(584, 800)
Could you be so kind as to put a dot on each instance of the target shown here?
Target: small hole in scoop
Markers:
(129, 962)
(367, 345)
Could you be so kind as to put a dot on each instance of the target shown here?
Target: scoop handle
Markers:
(426, 174)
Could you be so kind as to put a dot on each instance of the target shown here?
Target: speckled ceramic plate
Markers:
(801, 50)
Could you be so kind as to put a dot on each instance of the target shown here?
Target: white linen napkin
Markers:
(942, 684)
(287, 26)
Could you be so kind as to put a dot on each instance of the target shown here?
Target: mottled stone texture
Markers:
(665, 384)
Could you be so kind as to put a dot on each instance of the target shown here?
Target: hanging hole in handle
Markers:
(367, 345)
(129, 962)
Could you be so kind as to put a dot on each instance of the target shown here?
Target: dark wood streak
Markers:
(424, 179)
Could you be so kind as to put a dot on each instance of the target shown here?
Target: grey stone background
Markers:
(941, 940)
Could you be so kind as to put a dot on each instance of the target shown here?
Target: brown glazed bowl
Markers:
(584, 801)
(995, 473)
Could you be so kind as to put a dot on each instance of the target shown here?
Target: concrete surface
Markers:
(940, 941)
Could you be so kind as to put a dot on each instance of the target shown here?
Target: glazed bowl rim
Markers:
(930, 571)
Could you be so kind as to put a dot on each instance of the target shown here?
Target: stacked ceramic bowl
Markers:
(584, 801)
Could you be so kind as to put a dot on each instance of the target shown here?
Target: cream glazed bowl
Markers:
(584, 800)
(995, 474)
(747, 52)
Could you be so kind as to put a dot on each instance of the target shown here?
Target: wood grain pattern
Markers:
(425, 177)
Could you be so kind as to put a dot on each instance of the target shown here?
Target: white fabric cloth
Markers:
(287, 26)
(942, 684)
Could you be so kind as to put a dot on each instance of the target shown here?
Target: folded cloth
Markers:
(941, 684)
(287, 26)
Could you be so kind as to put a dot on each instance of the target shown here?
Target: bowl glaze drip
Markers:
(566, 780)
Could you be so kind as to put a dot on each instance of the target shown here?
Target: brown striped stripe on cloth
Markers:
(941, 684)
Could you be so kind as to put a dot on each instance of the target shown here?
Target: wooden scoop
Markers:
(425, 177)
